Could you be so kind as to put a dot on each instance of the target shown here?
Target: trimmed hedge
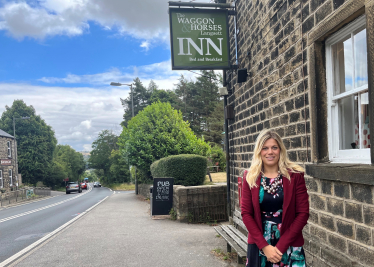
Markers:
(186, 169)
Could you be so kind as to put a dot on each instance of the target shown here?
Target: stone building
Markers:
(8, 171)
(310, 66)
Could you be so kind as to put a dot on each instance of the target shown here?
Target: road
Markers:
(20, 226)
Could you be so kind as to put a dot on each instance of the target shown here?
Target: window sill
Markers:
(351, 173)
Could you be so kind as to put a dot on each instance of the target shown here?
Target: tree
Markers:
(119, 168)
(141, 100)
(156, 132)
(101, 152)
(36, 141)
(215, 122)
(71, 161)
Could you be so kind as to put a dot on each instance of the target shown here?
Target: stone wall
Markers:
(200, 204)
(143, 189)
(4, 155)
(281, 44)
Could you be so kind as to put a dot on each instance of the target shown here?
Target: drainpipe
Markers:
(227, 149)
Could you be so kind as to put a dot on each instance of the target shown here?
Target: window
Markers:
(348, 98)
(1, 179)
(10, 177)
(9, 149)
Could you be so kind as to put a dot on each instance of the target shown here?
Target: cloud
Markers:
(160, 73)
(146, 19)
(77, 115)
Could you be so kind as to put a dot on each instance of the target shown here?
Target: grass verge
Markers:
(217, 177)
(124, 186)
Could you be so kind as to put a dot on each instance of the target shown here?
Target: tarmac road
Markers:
(120, 232)
(22, 225)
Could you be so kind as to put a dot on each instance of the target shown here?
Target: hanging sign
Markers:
(199, 39)
(5, 162)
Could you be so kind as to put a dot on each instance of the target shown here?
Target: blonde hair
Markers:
(284, 164)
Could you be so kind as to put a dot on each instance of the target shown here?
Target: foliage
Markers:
(67, 162)
(187, 170)
(36, 142)
(101, 152)
(173, 214)
(214, 133)
(157, 132)
(217, 155)
(119, 168)
(91, 175)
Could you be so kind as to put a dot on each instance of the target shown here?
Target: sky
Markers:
(61, 55)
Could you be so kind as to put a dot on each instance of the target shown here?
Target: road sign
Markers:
(66, 180)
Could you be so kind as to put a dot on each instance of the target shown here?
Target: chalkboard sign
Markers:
(162, 196)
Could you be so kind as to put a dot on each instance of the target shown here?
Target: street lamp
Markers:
(132, 109)
(15, 148)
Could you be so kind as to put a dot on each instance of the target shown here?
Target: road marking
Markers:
(36, 243)
(42, 208)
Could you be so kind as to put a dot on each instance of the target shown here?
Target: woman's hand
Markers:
(272, 254)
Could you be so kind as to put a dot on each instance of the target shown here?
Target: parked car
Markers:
(84, 186)
(73, 187)
(97, 184)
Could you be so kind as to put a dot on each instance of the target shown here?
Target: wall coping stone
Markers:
(351, 173)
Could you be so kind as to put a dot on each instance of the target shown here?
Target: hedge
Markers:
(186, 169)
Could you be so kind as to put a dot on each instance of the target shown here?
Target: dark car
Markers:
(97, 184)
(73, 187)
(84, 186)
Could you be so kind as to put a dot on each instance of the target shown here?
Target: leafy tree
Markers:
(119, 168)
(101, 152)
(215, 125)
(72, 162)
(36, 141)
(141, 100)
(156, 132)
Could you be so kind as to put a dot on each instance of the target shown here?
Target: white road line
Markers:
(42, 208)
(35, 244)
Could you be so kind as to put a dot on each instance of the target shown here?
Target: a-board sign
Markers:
(162, 196)
(199, 39)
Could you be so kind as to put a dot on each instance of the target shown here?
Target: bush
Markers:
(187, 170)
(218, 155)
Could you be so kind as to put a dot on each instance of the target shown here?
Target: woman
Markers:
(275, 206)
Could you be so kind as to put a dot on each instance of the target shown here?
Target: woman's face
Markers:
(270, 153)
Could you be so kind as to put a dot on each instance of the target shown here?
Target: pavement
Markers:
(121, 232)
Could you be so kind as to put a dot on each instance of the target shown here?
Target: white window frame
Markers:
(9, 149)
(335, 154)
(10, 172)
(1, 179)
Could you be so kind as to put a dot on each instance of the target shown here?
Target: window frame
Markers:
(335, 153)
(10, 173)
(1, 179)
(9, 149)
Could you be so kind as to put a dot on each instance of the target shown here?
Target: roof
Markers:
(4, 134)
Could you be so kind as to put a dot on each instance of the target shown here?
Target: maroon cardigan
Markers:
(294, 218)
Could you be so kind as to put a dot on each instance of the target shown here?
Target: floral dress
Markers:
(271, 208)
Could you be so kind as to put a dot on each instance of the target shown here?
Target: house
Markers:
(310, 66)
(8, 167)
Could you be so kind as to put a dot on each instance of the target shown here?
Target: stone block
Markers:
(318, 232)
(363, 235)
(326, 187)
(362, 193)
(327, 222)
(318, 202)
(323, 12)
(345, 228)
(353, 211)
(335, 206)
(369, 215)
(337, 242)
(311, 184)
(341, 190)
(361, 253)
(314, 4)
(335, 258)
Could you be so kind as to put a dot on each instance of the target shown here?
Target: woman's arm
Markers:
(301, 216)
(248, 217)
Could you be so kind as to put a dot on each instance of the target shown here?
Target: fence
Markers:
(23, 194)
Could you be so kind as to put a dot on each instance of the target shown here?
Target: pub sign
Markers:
(199, 39)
